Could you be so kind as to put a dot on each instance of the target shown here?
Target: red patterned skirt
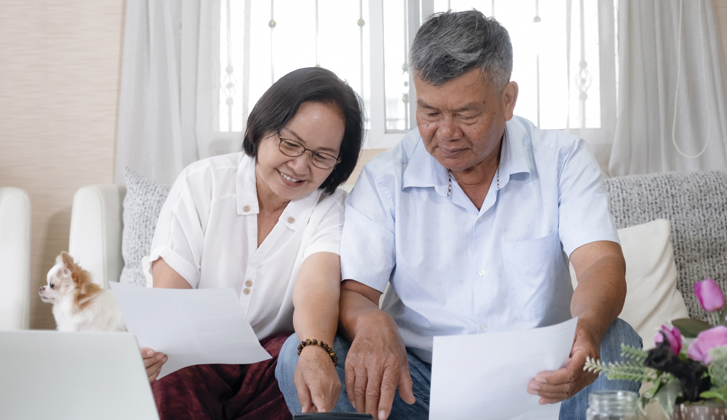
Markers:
(215, 392)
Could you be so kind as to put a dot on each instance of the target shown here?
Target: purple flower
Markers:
(707, 340)
(709, 294)
(673, 336)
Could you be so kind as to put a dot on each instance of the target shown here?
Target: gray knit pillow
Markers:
(142, 204)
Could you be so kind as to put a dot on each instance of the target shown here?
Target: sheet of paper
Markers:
(192, 327)
(486, 376)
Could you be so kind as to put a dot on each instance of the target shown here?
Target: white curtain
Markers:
(672, 95)
(170, 88)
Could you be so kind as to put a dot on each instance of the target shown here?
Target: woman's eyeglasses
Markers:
(320, 160)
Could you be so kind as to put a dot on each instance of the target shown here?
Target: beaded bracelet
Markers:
(321, 344)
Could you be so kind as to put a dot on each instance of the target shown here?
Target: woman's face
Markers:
(318, 127)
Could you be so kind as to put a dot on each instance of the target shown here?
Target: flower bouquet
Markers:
(694, 373)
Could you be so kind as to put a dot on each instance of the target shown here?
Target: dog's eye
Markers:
(51, 285)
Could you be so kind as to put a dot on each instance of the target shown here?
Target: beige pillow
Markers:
(652, 298)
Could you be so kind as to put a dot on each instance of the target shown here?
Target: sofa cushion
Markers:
(695, 203)
(652, 298)
(142, 204)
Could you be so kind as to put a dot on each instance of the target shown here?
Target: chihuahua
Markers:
(79, 304)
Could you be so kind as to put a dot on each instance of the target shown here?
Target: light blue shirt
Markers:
(458, 270)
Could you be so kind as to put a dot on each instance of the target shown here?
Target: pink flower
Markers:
(709, 294)
(707, 340)
(673, 336)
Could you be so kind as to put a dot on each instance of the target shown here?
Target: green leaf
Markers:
(690, 327)
(667, 396)
(653, 390)
(712, 394)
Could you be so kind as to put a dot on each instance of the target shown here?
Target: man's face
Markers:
(463, 120)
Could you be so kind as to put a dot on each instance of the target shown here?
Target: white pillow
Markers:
(652, 298)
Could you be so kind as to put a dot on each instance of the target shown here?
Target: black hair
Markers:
(281, 101)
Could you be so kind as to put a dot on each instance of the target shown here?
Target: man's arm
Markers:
(376, 363)
(597, 301)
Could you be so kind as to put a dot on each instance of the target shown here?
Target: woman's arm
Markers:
(165, 277)
(315, 298)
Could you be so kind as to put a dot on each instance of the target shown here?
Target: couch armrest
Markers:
(96, 226)
(14, 259)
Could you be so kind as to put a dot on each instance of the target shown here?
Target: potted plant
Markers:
(689, 381)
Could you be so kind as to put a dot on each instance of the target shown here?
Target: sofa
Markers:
(673, 229)
(15, 259)
(694, 204)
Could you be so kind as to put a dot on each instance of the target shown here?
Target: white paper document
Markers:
(486, 376)
(192, 327)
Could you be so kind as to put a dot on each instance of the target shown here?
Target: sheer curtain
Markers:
(672, 95)
(170, 85)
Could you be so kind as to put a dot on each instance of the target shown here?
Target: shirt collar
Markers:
(295, 213)
(245, 186)
(423, 170)
(515, 160)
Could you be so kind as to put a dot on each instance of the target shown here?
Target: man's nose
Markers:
(448, 129)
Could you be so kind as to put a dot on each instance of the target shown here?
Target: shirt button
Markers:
(246, 291)
(484, 327)
(481, 273)
(248, 283)
(479, 219)
(291, 220)
(246, 208)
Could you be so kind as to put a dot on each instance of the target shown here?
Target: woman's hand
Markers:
(153, 362)
(316, 380)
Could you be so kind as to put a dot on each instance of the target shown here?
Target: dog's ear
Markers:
(68, 262)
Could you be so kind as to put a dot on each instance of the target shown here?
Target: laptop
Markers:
(73, 375)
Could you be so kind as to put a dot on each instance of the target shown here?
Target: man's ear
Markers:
(509, 98)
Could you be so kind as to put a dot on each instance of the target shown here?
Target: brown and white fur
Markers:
(79, 304)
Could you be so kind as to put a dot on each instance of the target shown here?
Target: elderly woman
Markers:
(267, 223)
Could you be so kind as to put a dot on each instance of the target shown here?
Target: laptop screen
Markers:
(73, 375)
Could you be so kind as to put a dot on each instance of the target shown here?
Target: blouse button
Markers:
(291, 220)
(246, 291)
(248, 283)
(246, 208)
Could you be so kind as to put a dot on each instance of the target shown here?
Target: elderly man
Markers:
(471, 219)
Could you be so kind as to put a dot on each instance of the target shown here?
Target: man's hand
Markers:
(376, 365)
(564, 383)
(600, 269)
(153, 362)
(316, 380)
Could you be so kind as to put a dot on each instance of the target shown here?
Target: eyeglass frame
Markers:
(305, 149)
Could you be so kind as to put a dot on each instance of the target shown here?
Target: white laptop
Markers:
(78, 375)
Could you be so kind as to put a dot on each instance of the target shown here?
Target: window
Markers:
(260, 41)
(564, 57)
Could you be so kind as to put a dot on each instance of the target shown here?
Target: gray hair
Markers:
(450, 44)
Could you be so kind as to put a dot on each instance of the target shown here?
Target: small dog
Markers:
(79, 304)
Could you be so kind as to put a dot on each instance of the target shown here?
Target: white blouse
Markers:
(207, 232)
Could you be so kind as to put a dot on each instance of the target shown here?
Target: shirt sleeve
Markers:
(179, 234)
(327, 236)
(583, 200)
(368, 240)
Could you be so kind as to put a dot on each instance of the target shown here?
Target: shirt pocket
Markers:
(530, 271)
